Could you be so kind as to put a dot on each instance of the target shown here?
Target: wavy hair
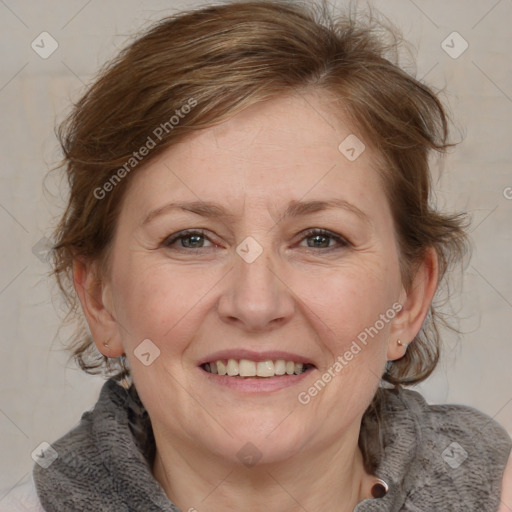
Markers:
(228, 57)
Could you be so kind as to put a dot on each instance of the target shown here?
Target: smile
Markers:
(246, 368)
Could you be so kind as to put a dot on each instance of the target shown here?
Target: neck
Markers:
(332, 479)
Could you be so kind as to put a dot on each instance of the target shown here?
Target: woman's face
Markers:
(254, 281)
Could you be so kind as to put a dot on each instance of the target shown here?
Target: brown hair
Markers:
(198, 68)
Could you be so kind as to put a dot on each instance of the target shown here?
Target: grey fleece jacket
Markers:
(434, 458)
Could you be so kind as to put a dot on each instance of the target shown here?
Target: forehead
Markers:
(289, 131)
(278, 150)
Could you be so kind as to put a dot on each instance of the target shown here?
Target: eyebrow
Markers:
(294, 209)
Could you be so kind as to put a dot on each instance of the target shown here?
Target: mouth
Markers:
(246, 368)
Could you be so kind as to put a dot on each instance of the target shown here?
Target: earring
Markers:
(400, 343)
(379, 489)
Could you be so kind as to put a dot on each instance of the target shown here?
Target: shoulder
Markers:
(22, 498)
(77, 472)
(446, 422)
(506, 489)
(463, 429)
(459, 452)
(102, 460)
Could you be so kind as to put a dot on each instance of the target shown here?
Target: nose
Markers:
(257, 297)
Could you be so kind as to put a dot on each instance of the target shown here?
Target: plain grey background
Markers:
(42, 395)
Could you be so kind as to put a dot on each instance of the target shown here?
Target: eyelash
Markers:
(343, 243)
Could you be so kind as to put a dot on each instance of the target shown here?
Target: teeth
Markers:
(265, 369)
(232, 368)
(221, 368)
(247, 368)
(280, 367)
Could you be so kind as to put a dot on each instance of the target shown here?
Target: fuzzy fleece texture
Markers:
(433, 458)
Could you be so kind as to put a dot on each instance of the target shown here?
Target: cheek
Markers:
(355, 311)
(354, 295)
(158, 302)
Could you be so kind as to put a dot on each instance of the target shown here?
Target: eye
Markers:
(189, 239)
(196, 239)
(321, 239)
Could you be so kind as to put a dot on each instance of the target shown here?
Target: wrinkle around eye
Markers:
(336, 241)
(169, 241)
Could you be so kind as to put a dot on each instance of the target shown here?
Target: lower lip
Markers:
(256, 384)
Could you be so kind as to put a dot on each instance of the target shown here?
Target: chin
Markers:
(259, 442)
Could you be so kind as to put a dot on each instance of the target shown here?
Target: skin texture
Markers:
(312, 301)
(506, 488)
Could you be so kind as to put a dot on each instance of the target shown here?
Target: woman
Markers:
(250, 236)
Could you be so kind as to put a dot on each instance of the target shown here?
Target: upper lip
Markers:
(251, 355)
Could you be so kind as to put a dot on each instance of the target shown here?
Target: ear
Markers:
(415, 305)
(96, 300)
